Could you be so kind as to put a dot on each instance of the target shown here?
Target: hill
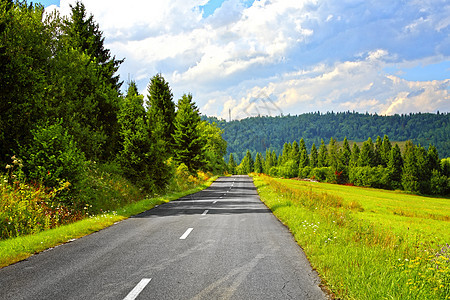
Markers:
(259, 133)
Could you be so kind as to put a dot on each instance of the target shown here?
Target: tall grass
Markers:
(357, 258)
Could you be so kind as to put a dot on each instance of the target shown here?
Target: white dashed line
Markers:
(205, 212)
(137, 289)
(185, 235)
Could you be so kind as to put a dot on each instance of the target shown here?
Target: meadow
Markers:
(366, 243)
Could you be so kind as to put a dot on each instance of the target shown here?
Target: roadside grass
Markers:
(19, 248)
(360, 248)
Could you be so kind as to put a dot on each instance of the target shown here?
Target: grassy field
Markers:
(367, 243)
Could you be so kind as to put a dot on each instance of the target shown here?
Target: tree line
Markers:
(61, 108)
(376, 164)
(259, 133)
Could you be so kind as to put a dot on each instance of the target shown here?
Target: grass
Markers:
(359, 242)
(19, 248)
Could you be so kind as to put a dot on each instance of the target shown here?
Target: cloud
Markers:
(304, 55)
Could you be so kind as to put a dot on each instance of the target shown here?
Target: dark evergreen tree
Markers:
(333, 157)
(395, 166)
(322, 159)
(232, 165)
(367, 154)
(378, 152)
(314, 157)
(187, 140)
(385, 150)
(354, 159)
(295, 153)
(258, 163)
(346, 153)
(161, 112)
(410, 171)
(268, 162)
(304, 160)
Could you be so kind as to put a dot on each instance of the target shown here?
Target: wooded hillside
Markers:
(259, 133)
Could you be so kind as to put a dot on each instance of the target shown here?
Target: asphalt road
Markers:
(221, 243)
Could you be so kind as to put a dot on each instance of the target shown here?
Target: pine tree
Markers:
(385, 150)
(410, 171)
(354, 159)
(314, 157)
(377, 157)
(304, 160)
(295, 153)
(367, 154)
(395, 166)
(268, 162)
(333, 157)
(322, 159)
(346, 153)
(161, 112)
(232, 165)
(258, 163)
(247, 164)
(187, 140)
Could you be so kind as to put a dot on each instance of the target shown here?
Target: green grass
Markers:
(16, 249)
(359, 242)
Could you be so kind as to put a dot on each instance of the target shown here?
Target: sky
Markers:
(272, 57)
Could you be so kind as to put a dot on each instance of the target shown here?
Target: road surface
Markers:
(220, 243)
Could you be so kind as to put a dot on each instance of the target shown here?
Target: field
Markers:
(367, 243)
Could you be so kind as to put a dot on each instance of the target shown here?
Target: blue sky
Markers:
(377, 56)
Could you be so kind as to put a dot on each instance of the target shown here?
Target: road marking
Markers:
(185, 235)
(205, 212)
(137, 289)
(216, 201)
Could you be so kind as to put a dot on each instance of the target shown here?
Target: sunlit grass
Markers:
(361, 249)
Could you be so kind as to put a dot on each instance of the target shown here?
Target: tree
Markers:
(83, 34)
(346, 153)
(232, 165)
(295, 153)
(314, 157)
(395, 165)
(367, 154)
(247, 164)
(24, 54)
(215, 147)
(161, 112)
(378, 152)
(187, 140)
(354, 158)
(268, 162)
(139, 156)
(410, 170)
(333, 157)
(322, 159)
(258, 163)
(385, 150)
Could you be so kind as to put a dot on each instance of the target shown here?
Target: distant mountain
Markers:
(259, 133)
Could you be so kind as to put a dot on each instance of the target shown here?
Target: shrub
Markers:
(53, 157)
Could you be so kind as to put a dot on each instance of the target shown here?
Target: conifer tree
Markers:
(410, 170)
(161, 112)
(304, 160)
(295, 153)
(247, 164)
(434, 163)
(333, 157)
(187, 140)
(354, 159)
(268, 162)
(232, 165)
(314, 157)
(274, 158)
(346, 153)
(258, 163)
(377, 156)
(322, 159)
(385, 150)
(395, 165)
(367, 154)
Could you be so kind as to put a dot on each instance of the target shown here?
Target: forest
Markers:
(376, 164)
(67, 133)
(258, 133)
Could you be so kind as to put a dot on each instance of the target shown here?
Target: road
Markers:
(220, 243)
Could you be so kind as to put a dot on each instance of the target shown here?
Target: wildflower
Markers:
(8, 166)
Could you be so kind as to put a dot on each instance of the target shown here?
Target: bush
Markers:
(53, 157)
(377, 177)
(321, 174)
(304, 172)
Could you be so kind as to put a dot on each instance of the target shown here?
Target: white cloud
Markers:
(304, 55)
